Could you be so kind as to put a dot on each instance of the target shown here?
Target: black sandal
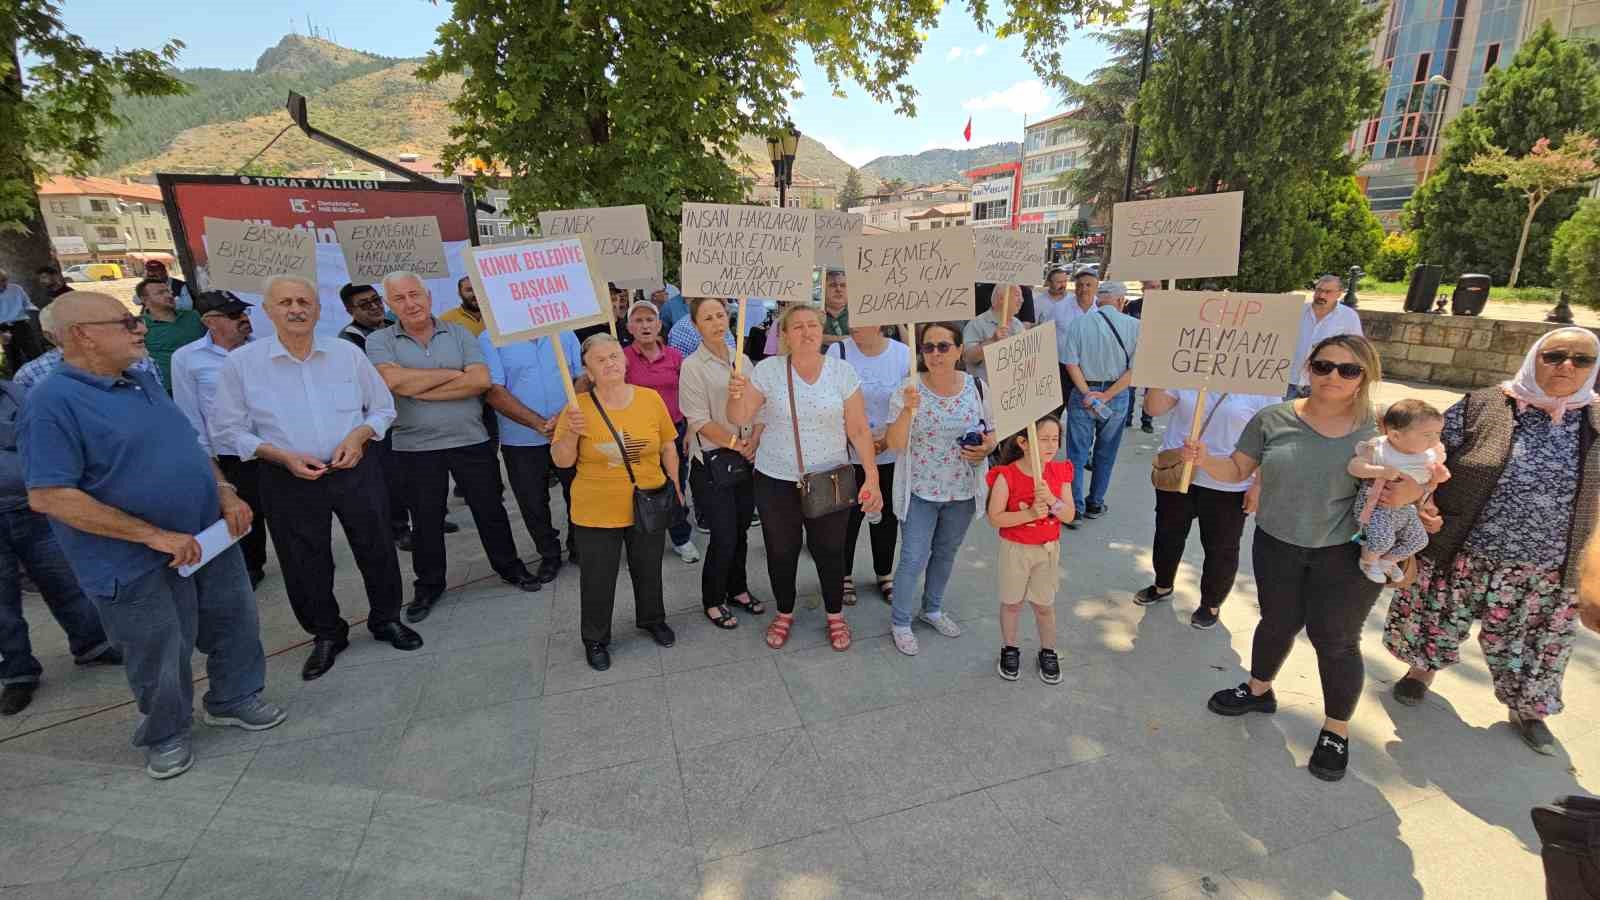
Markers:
(886, 588)
(849, 591)
(724, 621)
(753, 606)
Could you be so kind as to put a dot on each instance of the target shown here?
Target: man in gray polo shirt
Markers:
(438, 376)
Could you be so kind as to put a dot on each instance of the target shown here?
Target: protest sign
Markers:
(537, 287)
(240, 256)
(833, 230)
(375, 247)
(910, 277)
(1024, 379)
(618, 235)
(1009, 257)
(649, 285)
(747, 251)
(1176, 237)
(1239, 343)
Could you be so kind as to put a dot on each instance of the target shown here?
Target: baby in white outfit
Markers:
(1408, 448)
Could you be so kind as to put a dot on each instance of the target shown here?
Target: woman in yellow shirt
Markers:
(602, 494)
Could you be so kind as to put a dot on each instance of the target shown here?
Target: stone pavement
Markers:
(494, 763)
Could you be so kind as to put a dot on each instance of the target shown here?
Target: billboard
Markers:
(315, 204)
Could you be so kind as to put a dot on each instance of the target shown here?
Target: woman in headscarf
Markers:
(1518, 510)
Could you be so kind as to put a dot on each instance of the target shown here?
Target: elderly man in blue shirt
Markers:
(1097, 353)
(118, 469)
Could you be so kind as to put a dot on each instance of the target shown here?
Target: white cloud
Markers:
(1023, 98)
(980, 50)
(855, 154)
(954, 54)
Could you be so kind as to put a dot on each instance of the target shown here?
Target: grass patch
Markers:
(1501, 294)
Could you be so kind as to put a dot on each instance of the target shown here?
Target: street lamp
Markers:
(781, 150)
(1438, 81)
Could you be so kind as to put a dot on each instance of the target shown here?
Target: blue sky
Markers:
(961, 72)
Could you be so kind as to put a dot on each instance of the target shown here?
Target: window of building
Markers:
(98, 206)
(106, 233)
(990, 209)
(166, 234)
(914, 226)
(58, 206)
(149, 234)
(485, 229)
(1423, 61)
(61, 231)
(961, 221)
(1491, 56)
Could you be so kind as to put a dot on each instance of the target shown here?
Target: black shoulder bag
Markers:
(726, 467)
(652, 509)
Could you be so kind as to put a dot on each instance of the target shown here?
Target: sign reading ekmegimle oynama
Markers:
(537, 287)
(911, 277)
(375, 247)
(240, 256)
(747, 251)
(1240, 343)
(619, 236)
(1176, 237)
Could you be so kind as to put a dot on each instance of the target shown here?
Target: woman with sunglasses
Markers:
(938, 423)
(1518, 510)
(1305, 564)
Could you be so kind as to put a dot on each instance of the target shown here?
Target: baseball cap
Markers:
(219, 302)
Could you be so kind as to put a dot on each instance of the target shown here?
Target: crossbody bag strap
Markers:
(1127, 357)
(622, 449)
(1212, 414)
(794, 419)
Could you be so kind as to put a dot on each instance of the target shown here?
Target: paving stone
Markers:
(474, 752)
(960, 847)
(728, 702)
(600, 727)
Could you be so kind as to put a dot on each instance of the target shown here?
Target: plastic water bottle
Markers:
(1100, 408)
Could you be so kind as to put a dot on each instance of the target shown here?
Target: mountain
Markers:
(942, 164)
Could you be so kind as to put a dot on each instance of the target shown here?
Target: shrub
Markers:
(1397, 255)
(1575, 254)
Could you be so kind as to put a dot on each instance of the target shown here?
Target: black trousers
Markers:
(782, 527)
(529, 470)
(300, 515)
(394, 482)
(728, 514)
(599, 559)
(245, 474)
(476, 471)
(1221, 515)
(1322, 591)
(883, 534)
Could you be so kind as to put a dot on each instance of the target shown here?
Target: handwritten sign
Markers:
(242, 255)
(910, 277)
(833, 230)
(1009, 257)
(1024, 379)
(747, 251)
(1178, 237)
(537, 287)
(655, 282)
(375, 247)
(1241, 343)
(620, 236)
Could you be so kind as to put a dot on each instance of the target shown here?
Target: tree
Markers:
(1260, 97)
(1575, 254)
(1103, 117)
(1350, 234)
(850, 194)
(602, 102)
(1466, 222)
(1538, 175)
(893, 186)
(56, 115)
(1396, 257)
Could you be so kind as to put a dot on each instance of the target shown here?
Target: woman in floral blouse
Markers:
(1517, 512)
(943, 485)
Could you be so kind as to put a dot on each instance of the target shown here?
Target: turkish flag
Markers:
(967, 132)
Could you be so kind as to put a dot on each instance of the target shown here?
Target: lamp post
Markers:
(781, 150)
(1438, 81)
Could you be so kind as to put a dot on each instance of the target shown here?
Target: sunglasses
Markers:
(1557, 357)
(1347, 371)
(939, 347)
(129, 322)
(234, 316)
(370, 303)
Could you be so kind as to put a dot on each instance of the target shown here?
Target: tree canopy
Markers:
(1104, 119)
(850, 191)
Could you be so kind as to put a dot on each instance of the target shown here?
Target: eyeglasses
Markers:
(940, 347)
(1347, 371)
(1557, 357)
(129, 322)
(369, 303)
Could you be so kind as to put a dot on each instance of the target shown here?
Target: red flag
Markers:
(967, 132)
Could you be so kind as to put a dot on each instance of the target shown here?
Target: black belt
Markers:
(1098, 385)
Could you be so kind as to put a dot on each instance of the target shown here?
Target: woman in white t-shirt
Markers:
(829, 414)
(1220, 506)
(881, 364)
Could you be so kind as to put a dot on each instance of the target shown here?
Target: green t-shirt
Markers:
(1307, 497)
(165, 338)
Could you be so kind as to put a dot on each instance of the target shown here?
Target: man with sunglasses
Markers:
(196, 369)
(116, 466)
(1324, 317)
(168, 326)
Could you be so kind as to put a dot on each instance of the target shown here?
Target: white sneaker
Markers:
(1375, 571)
(943, 624)
(687, 552)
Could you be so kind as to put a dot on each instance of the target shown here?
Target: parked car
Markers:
(92, 272)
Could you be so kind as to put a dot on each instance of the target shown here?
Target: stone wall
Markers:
(1454, 351)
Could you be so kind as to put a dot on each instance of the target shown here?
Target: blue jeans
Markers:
(930, 535)
(159, 619)
(1090, 437)
(27, 543)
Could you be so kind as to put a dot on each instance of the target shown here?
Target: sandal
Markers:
(723, 621)
(751, 604)
(778, 631)
(838, 633)
(886, 587)
(849, 590)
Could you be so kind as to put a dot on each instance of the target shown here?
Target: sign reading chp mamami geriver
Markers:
(1009, 257)
(619, 236)
(747, 251)
(1240, 343)
(537, 287)
(833, 229)
(241, 255)
(1176, 237)
(1024, 379)
(911, 277)
(375, 247)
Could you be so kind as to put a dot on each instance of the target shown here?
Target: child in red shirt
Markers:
(1029, 516)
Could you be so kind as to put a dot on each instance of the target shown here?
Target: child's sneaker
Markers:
(1330, 757)
(1049, 667)
(1010, 663)
(1375, 571)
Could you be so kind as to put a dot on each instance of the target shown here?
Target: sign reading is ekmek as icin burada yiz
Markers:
(911, 277)
(537, 287)
(1240, 343)
(747, 251)
(1024, 379)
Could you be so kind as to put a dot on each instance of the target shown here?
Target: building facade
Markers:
(802, 192)
(106, 220)
(1050, 148)
(897, 210)
(996, 195)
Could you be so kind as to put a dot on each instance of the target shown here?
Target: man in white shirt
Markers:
(196, 369)
(1057, 290)
(307, 405)
(1085, 287)
(1323, 318)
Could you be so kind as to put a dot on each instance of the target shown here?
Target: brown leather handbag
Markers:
(821, 493)
(1166, 470)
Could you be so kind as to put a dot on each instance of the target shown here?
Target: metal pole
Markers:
(1433, 139)
(1144, 69)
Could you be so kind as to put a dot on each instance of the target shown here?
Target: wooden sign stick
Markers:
(911, 358)
(566, 373)
(1033, 453)
(738, 336)
(1005, 308)
(1194, 435)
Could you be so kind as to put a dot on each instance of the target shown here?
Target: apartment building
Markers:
(106, 220)
(1050, 149)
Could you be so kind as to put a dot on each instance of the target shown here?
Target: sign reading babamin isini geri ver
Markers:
(1024, 379)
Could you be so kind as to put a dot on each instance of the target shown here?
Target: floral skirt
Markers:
(1528, 623)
